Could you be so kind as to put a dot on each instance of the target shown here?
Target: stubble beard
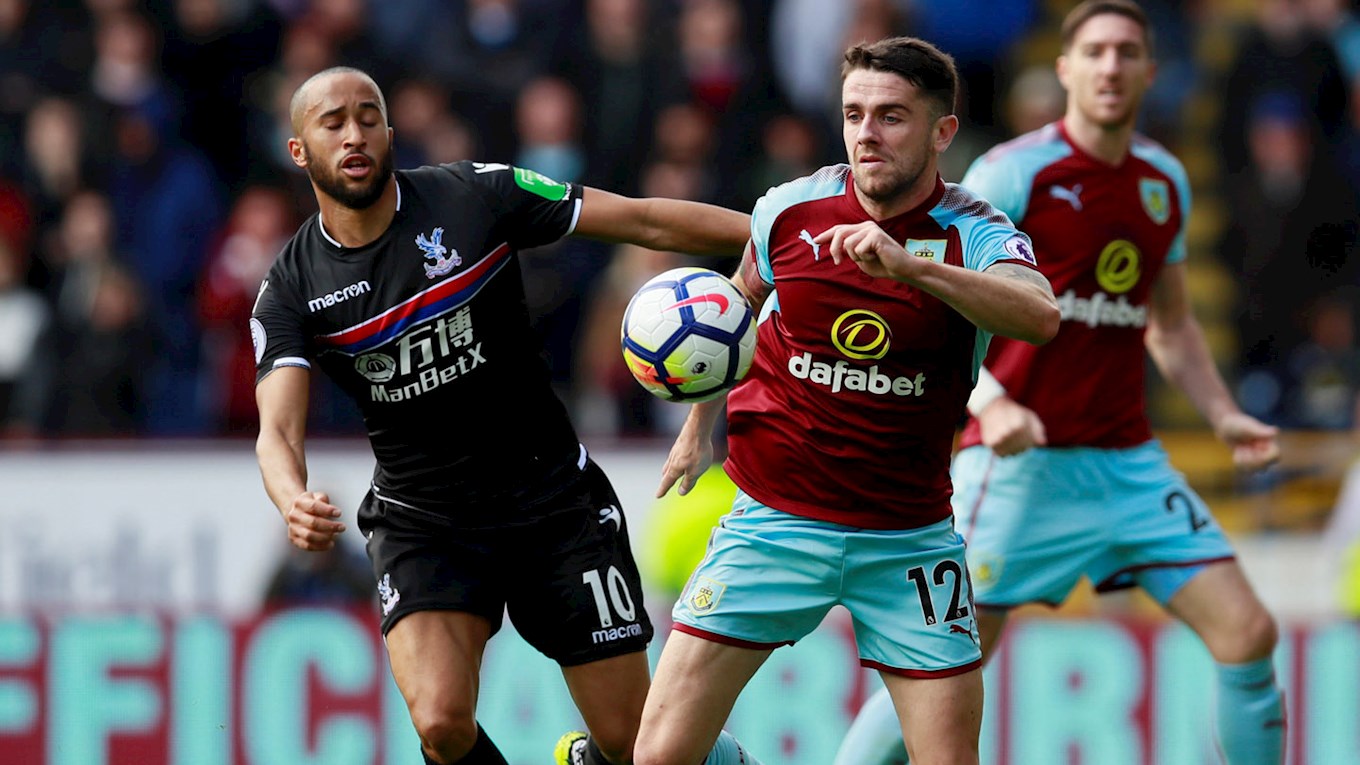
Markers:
(334, 184)
(886, 190)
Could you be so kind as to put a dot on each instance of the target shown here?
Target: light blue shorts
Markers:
(768, 578)
(1037, 521)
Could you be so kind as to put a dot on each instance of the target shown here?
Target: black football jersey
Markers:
(427, 329)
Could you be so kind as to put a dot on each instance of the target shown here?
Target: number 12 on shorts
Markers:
(943, 569)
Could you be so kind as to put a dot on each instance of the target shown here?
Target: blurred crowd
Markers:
(145, 185)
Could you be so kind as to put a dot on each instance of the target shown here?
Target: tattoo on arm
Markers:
(1020, 273)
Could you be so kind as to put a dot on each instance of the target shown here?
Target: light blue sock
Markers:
(875, 737)
(1250, 714)
(728, 751)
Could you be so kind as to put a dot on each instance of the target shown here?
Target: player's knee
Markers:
(654, 751)
(1249, 638)
(444, 731)
(615, 743)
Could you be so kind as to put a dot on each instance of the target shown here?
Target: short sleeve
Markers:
(534, 209)
(276, 329)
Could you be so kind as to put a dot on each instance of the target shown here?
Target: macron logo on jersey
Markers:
(339, 296)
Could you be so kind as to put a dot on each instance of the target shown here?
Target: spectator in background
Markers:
(211, 52)
(1035, 98)
(726, 81)
(1322, 391)
(559, 276)
(1281, 53)
(417, 107)
(56, 165)
(485, 52)
(548, 126)
(93, 363)
(23, 313)
(261, 220)
(812, 35)
(790, 148)
(1290, 233)
(168, 205)
(306, 49)
(44, 48)
(981, 49)
(621, 60)
(89, 378)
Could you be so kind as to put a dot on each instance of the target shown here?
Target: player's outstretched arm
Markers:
(663, 224)
(282, 400)
(1007, 299)
(1176, 343)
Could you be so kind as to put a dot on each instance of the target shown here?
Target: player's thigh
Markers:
(1219, 604)
(609, 694)
(574, 592)
(941, 717)
(767, 579)
(1032, 521)
(1164, 533)
(909, 596)
(696, 684)
(435, 658)
(421, 563)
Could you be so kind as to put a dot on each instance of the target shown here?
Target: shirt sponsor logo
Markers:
(339, 296)
(435, 354)
(861, 334)
(1099, 310)
(616, 633)
(1119, 266)
(841, 376)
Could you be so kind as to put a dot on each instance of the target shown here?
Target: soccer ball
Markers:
(688, 335)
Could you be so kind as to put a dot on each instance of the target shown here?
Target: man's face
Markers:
(1106, 70)
(891, 134)
(344, 143)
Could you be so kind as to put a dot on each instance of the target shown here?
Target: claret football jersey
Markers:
(427, 329)
(849, 410)
(1102, 234)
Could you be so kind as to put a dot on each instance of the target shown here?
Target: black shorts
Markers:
(567, 578)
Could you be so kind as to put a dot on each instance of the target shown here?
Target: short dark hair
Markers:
(914, 60)
(1089, 9)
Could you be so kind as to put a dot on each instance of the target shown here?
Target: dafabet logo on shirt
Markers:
(862, 335)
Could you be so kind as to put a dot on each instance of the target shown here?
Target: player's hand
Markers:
(867, 246)
(1255, 445)
(1010, 428)
(690, 457)
(311, 521)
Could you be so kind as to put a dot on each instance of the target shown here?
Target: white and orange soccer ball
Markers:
(688, 335)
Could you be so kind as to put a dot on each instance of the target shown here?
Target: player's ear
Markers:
(946, 128)
(1062, 71)
(297, 151)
